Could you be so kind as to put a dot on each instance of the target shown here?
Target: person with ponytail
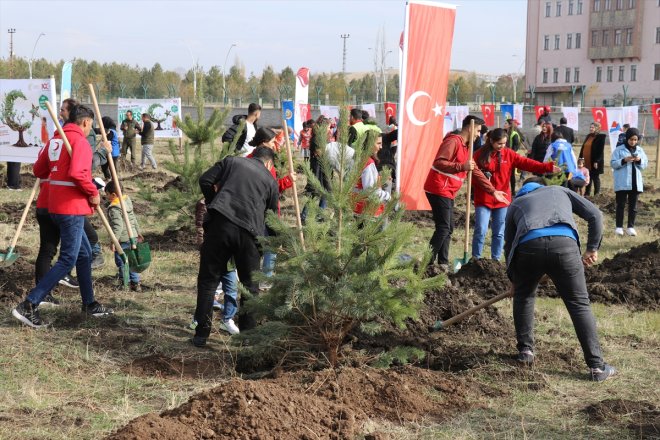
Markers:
(498, 164)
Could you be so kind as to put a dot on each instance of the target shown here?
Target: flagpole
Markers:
(657, 156)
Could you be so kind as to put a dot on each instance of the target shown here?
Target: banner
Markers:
(448, 124)
(507, 111)
(330, 111)
(65, 86)
(390, 110)
(305, 112)
(518, 114)
(428, 33)
(600, 115)
(301, 97)
(162, 113)
(615, 118)
(25, 126)
(488, 112)
(655, 112)
(371, 109)
(457, 113)
(538, 112)
(571, 115)
(631, 116)
(287, 115)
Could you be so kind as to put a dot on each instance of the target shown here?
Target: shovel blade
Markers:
(460, 262)
(140, 257)
(9, 258)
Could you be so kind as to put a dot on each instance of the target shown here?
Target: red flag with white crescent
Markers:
(600, 116)
(390, 110)
(427, 39)
(488, 111)
(655, 111)
(538, 111)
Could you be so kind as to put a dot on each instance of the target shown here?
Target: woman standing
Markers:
(498, 164)
(541, 143)
(628, 161)
(593, 152)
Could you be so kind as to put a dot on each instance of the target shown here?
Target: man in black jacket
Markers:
(238, 191)
(566, 131)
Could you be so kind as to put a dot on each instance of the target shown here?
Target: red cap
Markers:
(547, 108)
(515, 121)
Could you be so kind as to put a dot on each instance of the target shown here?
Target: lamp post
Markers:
(514, 78)
(33, 49)
(224, 74)
(383, 72)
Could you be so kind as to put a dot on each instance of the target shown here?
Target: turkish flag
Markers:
(390, 110)
(600, 115)
(427, 39)
(655, 110)
(538, 111)
(488, 110)
(305, 111)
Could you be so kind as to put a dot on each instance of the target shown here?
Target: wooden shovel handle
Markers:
(295, 189)
(24, 215)
(466, 243)
(476, 308)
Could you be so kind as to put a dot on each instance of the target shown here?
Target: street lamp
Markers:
(383, 71)
(32, 55)
(224, 71)
(514, 78)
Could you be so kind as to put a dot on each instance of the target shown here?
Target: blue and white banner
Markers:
(288, 111)
(65, 85)
(507, 111)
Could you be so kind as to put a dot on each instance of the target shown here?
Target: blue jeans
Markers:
(268, 265)
(134, 277)
(229, 282)
(323, 203)
(75, 250)
(482, 215)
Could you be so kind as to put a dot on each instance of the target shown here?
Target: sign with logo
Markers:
(162, 112)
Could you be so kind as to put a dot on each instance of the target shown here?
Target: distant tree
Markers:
(269, 83)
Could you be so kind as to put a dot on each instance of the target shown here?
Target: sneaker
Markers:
(69, 281)
(525, 357)
(28, 314)
(198, 341)
(218, 306)
(631, 232)
(96, 310)
(97, 261)
(265, 286)
(602, 374)
(49, 301)
(618, 232)
(230, 327)
(136, 287)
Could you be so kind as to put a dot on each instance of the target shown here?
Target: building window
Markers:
(619, 5)
(570, 7)
(594, 38)
(556, 42)
(597, 5)
(656, 75)
(599, 74)
(569, 41)
(555, 75)
(547, 9)
(546, 42)
(576, 74)
(606, 38)
(607, 5)
(617, 37)
(558, 9)
(631, 4)
(633, 73)
(545, 76)
(578, 40)
(622, 72)
(579, 7)
(657, 35)
(610, 73)
(568, 75)
(629, 37)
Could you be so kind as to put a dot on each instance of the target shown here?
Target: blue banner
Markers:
(507, 111)
(287, 115)
(65, 88)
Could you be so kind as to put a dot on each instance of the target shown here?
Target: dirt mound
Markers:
(10, 213)
(425, 218)
(607, 203)
(323, 405)
(16, 280)
(631, 278)
(176, 368)
(154, 178)
(642, 417)
(175, 183)
(183, 238)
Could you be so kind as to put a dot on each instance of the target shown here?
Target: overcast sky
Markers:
(489, 35)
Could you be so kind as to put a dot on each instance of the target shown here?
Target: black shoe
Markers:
(97, 261)
(49, 301)
(525, 357)
(198, 341)
(28, 314)
(602, 374)
(69, 281)
(97, 310)
(136, 287)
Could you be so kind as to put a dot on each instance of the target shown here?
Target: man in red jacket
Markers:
(449, 170)
(72, 196)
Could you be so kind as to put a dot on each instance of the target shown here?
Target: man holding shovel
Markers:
(72, 196)
(450, 167)
(541, 238)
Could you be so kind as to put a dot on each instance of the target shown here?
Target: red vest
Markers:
(359, 206)
(445, 184)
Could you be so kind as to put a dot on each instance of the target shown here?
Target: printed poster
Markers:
(162, 113)
(571, 115)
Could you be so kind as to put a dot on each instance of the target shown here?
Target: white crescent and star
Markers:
(410, 104)
(599, 111)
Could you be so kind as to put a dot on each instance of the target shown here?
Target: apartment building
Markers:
(593, 52)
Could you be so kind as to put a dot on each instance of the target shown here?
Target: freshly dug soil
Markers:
(16, 280)
(425, 218)
(10, 213)
(642, 417)
(183, 238)
(330, 404)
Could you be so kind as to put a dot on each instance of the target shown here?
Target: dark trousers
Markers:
(49, 239)
(90, 232)
(560, 259)
(106, 167)
(512, 182)
(443, 217)
(222, 241)
(14, 175)
(621, 197)
(594, 181)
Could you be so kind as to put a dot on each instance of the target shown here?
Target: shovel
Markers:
(295, 189)
(459, 262)
(120, 251)
(440, 324)
(11, 256)
(139, 255)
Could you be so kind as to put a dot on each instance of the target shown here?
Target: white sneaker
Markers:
(632, 232)
(230, 327)
(619, 232)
